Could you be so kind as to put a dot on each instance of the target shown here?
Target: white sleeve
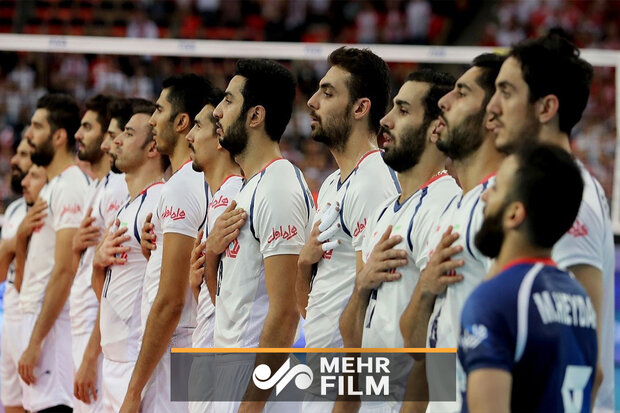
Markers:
(281, 217)
(67, 205)
(360, 202)
(181, 210)
(583, 243)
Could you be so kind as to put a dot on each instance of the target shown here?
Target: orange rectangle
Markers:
(313, 350)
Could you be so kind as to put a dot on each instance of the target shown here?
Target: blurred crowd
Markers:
(26, 76)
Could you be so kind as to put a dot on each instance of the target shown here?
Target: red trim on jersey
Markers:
(270, 162)
(529, 260)
(184, 163)
(227, 178)
(365, 156)
(486, 178)
(150, 186)
(433, 179)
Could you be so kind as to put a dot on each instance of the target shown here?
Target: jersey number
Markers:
(575, 380)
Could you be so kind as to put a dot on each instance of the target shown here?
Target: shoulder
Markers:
(19, 203)
(372, 173)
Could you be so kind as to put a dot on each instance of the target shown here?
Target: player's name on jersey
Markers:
(569, 309)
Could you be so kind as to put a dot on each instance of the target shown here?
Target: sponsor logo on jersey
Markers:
(277, 233)
(327, 255)
(220, 202)
(473, 335)
(70, 209)
(114, 206)
(359, 228)
(233, 249)
(173, 215)
(578, 229)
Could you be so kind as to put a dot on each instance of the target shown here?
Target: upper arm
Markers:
(280, 276)
(175, 264)
(488, 390)
(591, 278)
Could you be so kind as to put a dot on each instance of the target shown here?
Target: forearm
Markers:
(212, 263)
(21, 250)
(97, 280)
(302, 286)
(352, 319)
(160, 326)
(56, 294)
(415, 318)
(6, 256)
(93, 348)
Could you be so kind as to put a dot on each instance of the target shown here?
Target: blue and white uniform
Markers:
(537, 323)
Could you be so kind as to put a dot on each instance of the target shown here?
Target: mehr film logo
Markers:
(336, 374)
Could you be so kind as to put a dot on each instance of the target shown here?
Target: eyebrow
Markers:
(504, 84)
(196, 121)
(462, 85)
(158, 106)
(127, 128)
(228, 94)
(400, 102)
(85, 123)
(326, 85)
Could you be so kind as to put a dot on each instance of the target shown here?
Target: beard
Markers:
(43, 154)
(405, 154)
(92, 153)
(17, 176)
(463, 139)
(490, 237)
(335, 131)
(235, 138)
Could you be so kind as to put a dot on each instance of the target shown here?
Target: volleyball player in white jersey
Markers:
(223, 175)
(120, 286)
(83, 302)
(345, 112)
(10, 387)
(255, 300)
(45, 364)
(169, 313)
(394, 246)
(466, 139)
(542, 90)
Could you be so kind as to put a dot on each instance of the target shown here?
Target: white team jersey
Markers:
(65, 196)
(413, 221)
(181, 209)
(114, 195)
(205, 313)
(13, 216)
(590, 241)
(359, 195)
(280, 211)
(83, 301)
(465, 213)
(122, 291)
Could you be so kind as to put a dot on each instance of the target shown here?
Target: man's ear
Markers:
(60, 138)
(514, 215)
(256, 116)
(547, 108)
(182, 122)
(361, 108)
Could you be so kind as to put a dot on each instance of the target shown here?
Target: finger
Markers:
(93, 391)
(234, 226)
(30, 374)
(448, 238)
(329, 217)
(230, 237)
(393, 254)
(234, 219)
(386, 235)
(389, 243)
(387, 276)
(120, 231)
(446, 254)
(198, 239)
(200, 262)
(395, 263)
(89, 212)
(231, 206)
(447, 266)
(329, 233)
(450, 279)
(148, 218)
(86, 393)
(326, 246)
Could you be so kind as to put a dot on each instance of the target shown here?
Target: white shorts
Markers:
(54, 372)
(233, 373)
(78, 344)
(10, 385)
(116, 376)
(156, 395)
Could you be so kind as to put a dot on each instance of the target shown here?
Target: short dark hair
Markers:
(551, 66)
(187, 93)
(143, 106)
(490, 63)
(272, 86)
(120, 109)
(440, 82)
(370, 78)
(99, 104)
(549, 183)
(63, 112)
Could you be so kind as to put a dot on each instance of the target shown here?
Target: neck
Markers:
(431, 163)
(100, 168)
(358, 144)
(143, 176)
(259, 151)
(553, 136)
(517, 247)
(480, 164)
(180, 154)
(219, 170)
(62, 160)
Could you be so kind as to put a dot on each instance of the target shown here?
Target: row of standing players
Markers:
(398, 253)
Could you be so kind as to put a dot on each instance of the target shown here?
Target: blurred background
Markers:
(24, 77)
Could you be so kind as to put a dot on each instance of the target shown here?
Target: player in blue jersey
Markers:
(528, 334)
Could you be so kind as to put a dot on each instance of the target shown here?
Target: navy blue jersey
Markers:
(536, 322)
